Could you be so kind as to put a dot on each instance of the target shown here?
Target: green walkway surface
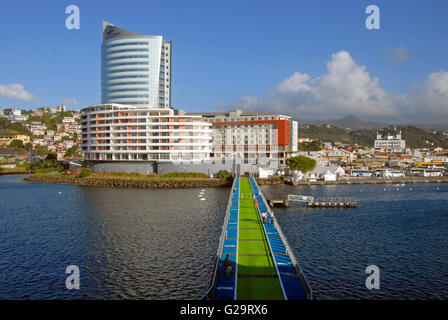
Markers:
(257, 275)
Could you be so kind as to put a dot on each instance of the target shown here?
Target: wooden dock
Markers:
(277, 200)
(325, 202)
(333, 203)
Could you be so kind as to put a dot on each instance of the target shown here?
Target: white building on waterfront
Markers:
(117, 133)
(389, 143)
(328, 173)
(258, 138)
(135, 69)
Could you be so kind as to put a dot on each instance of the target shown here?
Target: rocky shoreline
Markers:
(132, 183)
(404, 180)
(183, 183)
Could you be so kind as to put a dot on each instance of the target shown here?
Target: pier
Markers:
(264, 267)
(333, 203)
(272, 200)
(324, 202)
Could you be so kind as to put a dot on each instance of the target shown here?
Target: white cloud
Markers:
(398, 55)
(69, 102)
(16, 91)
(347, 88)
(430, 98)
(295, 83)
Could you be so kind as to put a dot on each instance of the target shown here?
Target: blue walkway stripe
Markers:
(232, 233)
(229, 246)
(282, 259)
(222, 291)
(293, 288)
(286, 269)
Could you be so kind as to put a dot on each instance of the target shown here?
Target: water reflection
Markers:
(128, 243)
(402, 231)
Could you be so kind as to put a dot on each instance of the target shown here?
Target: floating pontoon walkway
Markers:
(264, 266)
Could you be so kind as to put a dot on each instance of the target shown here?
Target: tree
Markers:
(52, 156)
(40, 150)
(18, 144)
(302, 163)
(28, 146)
(224, 175)
(85, 172)
(315, 145)
(51, 160)
(72, 151)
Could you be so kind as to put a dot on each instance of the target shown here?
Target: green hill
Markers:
(415, 137)
(9, 128)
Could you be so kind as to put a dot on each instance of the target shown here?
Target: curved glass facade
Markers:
(135, 69)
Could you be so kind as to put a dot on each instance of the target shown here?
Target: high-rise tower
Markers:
(135, 69)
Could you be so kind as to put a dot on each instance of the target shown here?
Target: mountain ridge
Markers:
(352, 122)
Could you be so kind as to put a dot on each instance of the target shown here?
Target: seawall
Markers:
(404, 180)
(133, 183)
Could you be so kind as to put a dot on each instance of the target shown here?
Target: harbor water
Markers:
(403, 230)
(161, 244)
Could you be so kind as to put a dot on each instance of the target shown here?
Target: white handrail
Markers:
(285, 242)
(221, 241)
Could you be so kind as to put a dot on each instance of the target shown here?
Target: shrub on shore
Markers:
(85, 172)
(153, 175)
(224, 175)
(179, 175)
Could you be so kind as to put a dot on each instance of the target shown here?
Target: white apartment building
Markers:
(257, 138)
(118, 133)
(16, 116)
(36, 128)
(68, 120)
(388, 143)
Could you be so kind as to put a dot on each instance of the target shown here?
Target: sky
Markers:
(307, 59)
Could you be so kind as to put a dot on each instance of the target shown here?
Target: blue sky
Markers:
(226, 53)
